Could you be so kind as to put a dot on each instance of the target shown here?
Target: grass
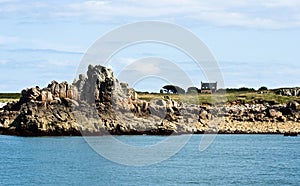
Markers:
(245, 97)
(251, 97)
(9, 97)
(185, 98)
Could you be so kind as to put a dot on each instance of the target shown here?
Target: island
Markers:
(98, 104)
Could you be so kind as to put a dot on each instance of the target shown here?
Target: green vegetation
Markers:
(263, 88)
(192, 90)
(241, 96)
(245, 96)
(173, 89)
(234, 90)
(269, 96)
(186, 98)
(8, 97)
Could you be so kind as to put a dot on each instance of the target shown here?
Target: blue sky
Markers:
(256, 43)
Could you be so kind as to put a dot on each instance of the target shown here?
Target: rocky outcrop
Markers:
(288, 91)
(44, 111)
(97, 104)
(2, 105)
(259, 118)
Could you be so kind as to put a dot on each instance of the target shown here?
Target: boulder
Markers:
(293, 105)
(2, 104)
(98, 104)
(29, 94)
(274, 113)
(45, 96)
(203, 114)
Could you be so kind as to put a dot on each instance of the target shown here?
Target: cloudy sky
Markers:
(255, 43)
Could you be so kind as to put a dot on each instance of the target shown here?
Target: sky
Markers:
(255, 43)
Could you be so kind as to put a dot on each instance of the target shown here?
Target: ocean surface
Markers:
(229, 160)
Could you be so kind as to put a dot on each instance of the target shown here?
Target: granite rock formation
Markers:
(288, 91)
(97, 104)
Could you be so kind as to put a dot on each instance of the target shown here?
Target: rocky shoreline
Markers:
(2, 104)
(100, 105)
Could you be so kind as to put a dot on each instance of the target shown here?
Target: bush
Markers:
(173, 89)
(242, 89)
(263, 88)
(192, 90)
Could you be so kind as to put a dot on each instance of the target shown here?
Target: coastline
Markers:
(100, 105)
(225, 128)
(2, 104)
(206, 121)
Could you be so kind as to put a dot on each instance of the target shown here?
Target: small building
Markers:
(208, 87)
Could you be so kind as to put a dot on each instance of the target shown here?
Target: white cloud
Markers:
(124, 61)
(22, 8)
(6, 1)
(8, 39)
(216, 12)
(132, 64)
(269, 14)
(146, 68)
(117, 63)
(61, 63)
(294, 4)
(239, 19)
(45, 50)
(4, 61)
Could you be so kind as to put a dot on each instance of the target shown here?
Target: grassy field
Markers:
(246, 97)
(9, 97)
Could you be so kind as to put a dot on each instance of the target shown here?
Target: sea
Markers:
(228, 160)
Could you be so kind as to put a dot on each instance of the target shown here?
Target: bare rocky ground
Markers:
(99, 105)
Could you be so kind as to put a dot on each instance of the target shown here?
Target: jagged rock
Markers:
(274, 113)
(293, 105)
(288, 91)
(81, 82)
(99, 104)
(2, 105)
(29, 94)
(45, 96)
(203, 114)
(124, 87)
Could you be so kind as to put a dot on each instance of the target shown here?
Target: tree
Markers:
(263, 88)
(242, 89)
(192, 90)
(173, 89)
(246, 89)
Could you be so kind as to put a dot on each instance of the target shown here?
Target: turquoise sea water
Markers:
(230, 160)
